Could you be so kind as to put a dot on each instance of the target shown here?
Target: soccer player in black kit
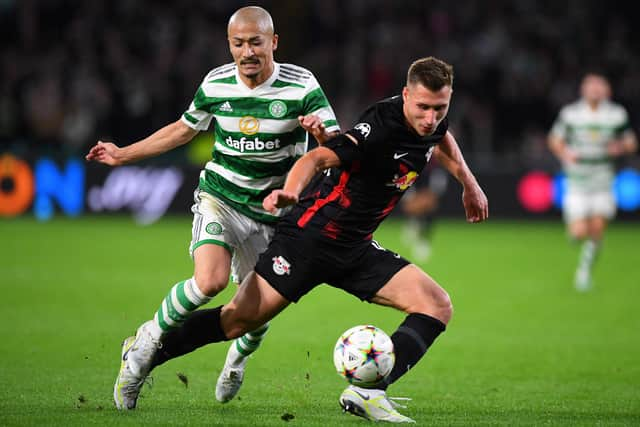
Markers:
(327, 235)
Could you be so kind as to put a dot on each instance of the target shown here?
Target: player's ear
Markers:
(405, 93)
(274, 42)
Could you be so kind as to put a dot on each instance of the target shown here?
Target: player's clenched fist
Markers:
(279, 199)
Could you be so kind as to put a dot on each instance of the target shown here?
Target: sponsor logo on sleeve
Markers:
(364, 129)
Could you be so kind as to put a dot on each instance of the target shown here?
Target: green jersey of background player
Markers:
(586, 137)
(262, 112)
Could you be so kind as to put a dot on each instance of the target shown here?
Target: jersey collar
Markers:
(261, 87)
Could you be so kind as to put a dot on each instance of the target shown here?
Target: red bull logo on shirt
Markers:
(405, 181)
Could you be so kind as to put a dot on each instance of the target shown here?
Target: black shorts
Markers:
(294, 265)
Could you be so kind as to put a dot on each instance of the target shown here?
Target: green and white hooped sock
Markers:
(588, 254)
(182, 299)
(243, 347)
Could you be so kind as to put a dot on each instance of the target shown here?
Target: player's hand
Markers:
(615, 148)
(279, 199)
(313, 124)
(569, 156)
(105, 152)
(476, 205)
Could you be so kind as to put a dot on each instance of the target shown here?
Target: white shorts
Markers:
(218, 223)
(580, 205)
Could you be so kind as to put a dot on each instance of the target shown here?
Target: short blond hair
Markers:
(430, 72)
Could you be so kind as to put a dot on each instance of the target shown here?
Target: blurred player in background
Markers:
(420, 205)
(587, 136)
(262, 112)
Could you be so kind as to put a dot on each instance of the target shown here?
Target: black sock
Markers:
(201, 327)
(411, 341)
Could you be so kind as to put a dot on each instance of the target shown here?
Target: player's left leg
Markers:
(589, 252)
(428, 309)
(232, 374)
(602, 209)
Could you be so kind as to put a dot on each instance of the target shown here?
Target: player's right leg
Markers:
(248, 323)
(211, 275)
(576, 214)
(211, 250)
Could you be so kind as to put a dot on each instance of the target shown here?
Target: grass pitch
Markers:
(523, 347)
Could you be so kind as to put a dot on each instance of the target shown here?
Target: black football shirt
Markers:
(346, 204)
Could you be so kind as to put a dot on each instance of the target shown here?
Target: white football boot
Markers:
(137, 355)
(231, 377)
(372, 404)
(582, 279)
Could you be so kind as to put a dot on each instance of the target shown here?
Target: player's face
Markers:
(252, 47)
(424, 109)
(595, 88)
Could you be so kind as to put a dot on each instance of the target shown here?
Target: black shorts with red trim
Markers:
(294, 265)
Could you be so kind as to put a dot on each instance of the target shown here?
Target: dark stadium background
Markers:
(524, 348)
(72, 72)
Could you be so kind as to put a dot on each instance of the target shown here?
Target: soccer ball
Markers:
(364, 355)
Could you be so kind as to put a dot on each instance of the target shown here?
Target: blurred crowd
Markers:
(74, 71)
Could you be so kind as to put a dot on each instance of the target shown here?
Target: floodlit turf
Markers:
(523, 347)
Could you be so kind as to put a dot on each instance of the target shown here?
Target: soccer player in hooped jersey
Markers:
(327, 235)
(262, 112)
(586, 137)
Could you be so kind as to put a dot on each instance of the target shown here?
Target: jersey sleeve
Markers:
(560, 125)
(368, 132)
(315, 102)
(346, 150)
(370, 128)
(198, 115)
(624, 126)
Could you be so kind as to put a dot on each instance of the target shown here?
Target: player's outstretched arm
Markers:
(303, 170)
(161, 141)
(314, 125)
(474, 200)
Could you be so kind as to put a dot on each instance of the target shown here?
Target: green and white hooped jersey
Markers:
(257, 137)
(588, 133)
